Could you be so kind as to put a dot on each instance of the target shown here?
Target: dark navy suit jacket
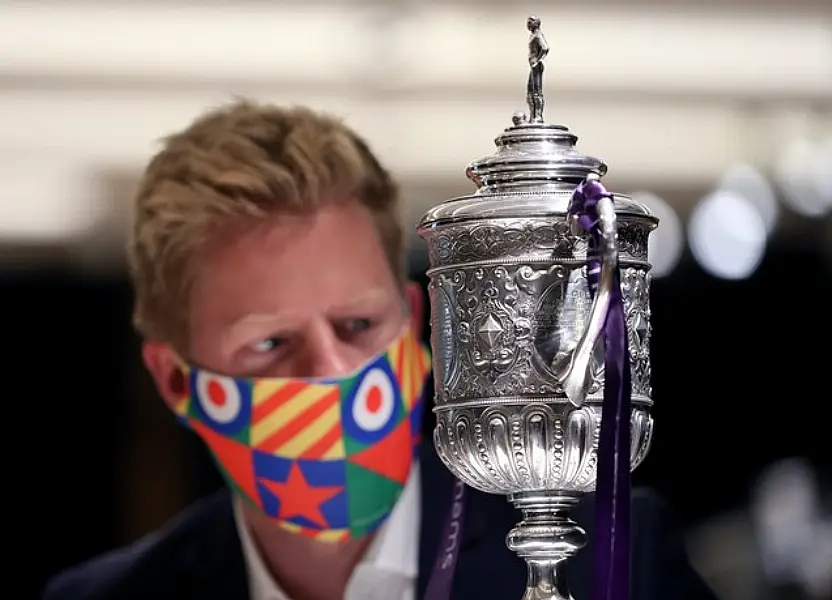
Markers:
(198, 556)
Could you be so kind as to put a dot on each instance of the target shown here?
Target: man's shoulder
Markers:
(648, 505)
(163, 560)
(110, 575)
(653, 521)
(660, 566)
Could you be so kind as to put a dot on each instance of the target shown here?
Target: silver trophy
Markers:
(517, 330)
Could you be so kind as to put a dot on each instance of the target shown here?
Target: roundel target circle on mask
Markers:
(220, 401)
(373, 408)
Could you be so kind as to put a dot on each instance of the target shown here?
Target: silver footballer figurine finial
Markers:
(538, 49)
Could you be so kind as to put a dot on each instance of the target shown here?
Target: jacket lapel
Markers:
(485, 567)
(436, 497)
(213, 559)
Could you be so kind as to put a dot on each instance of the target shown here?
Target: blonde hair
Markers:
(243, 162)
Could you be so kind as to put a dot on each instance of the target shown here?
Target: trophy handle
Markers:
(575, 377)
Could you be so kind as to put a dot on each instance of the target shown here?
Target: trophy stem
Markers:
(545, 539)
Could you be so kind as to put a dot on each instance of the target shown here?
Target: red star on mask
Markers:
(299, 499)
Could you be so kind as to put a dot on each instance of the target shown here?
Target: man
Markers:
(268, 264)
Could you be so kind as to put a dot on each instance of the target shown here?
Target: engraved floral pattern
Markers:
(507, 239)
(498, 331)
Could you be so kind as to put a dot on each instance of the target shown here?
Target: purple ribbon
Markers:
(611, 579)
(442, 577)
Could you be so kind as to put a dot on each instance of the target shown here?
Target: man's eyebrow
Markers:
(369, 298)
(257, 318)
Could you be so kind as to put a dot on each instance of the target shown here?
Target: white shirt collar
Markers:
(391, 560)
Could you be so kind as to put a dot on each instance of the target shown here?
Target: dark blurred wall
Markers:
(65, 339)
(737, 378)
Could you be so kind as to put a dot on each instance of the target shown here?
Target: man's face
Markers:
(295, 296)
(299, 296)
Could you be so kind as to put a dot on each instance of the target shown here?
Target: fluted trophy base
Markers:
(546, 538)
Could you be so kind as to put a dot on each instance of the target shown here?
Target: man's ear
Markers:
(416, 303)
(166, 369)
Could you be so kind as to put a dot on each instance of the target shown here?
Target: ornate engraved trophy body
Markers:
(520, 298)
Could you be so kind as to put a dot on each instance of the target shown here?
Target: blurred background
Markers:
(716, 113)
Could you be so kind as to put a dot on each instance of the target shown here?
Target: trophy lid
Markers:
(536, 165)
(532, 153)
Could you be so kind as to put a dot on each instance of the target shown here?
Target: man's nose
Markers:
(324, 355)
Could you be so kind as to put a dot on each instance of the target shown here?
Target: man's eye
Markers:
(268, 344)
(357, 325)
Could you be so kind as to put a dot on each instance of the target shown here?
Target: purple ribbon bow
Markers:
(611, 579)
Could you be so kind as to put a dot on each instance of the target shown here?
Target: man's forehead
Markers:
(334, 305)
(297, 266)
(342, 223)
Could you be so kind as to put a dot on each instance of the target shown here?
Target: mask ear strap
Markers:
(411, 325)
(179, 377)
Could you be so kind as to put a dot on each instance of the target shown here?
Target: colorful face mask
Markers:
(326, 458)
